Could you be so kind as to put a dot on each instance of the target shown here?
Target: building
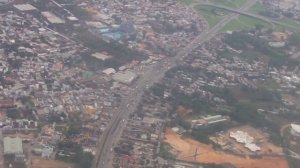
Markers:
(102, 56)
(125, 77)
(244, 138)
(215, 119)
(7, 103)
(51, 18)
(109, 71)
(208, 120)
(25, 7)
(295, 130)
(12, 146)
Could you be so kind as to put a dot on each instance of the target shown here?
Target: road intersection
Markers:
(153, 74)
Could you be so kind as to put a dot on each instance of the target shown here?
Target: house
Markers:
(7, 103)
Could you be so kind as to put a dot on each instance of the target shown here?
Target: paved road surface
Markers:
(153, 74)
(245, 13)
(1, 149)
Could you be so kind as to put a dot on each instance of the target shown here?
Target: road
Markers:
(153, 73)
(1, 149)
(245, 13)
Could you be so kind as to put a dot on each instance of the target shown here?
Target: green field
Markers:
(259, 8)
(187, 2)
(244, 22)
(229, 3)
(208, 14)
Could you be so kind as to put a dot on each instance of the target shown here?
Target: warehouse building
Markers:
(25, 7)
(12, 146)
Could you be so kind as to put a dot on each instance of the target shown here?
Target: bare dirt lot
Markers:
(43, 163)
(186, 147)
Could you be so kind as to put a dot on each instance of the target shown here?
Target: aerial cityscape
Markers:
(150, 84)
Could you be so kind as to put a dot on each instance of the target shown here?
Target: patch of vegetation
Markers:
(293, 163)
(158, 90)
(295, 39)
(245, 22)
(187, 2)
(241, 40)
(209, 13)
(79, 12)
(202, 134)
(287, 23)
(121, 54)
(196, 102)
(164, 151)
(74, 153)
(257, 8)
(230, 3)
(124, 149)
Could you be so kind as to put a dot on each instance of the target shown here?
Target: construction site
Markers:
(189, 150)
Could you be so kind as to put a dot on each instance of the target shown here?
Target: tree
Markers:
(295, 39)
(74, 129)
(13, 113)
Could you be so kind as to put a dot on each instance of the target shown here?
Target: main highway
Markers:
(153, 73)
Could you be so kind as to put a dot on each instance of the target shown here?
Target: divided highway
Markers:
(154, 73)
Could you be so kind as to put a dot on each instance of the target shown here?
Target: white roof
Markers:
(101, 56)
(52, 18)
(109, 71)
(252, 147)
(296, 127)
(25, 7)
(72, 18)
(12, 145)
(124, 77)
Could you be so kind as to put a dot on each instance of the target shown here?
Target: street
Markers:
(103, 158)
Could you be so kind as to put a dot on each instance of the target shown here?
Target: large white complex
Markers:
(246, 139)
(295, 130)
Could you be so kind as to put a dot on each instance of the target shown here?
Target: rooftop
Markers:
(25, 7)
(52, 18)
(12, 145)
(101, 56)
(124, 77)
(296, 127)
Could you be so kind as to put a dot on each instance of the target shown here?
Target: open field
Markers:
(259, 8)
(43, 163)
(186, 147)
(230, 3)
(208, 14)
(245, 22)
(187, 2)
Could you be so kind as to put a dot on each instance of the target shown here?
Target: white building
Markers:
(295, 130)
(246, 139)
(125, 77)
(12, 145)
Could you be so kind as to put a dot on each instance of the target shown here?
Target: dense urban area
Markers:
(149, 83)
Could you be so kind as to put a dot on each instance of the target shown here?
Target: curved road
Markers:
(153, 74)
(245, 13)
